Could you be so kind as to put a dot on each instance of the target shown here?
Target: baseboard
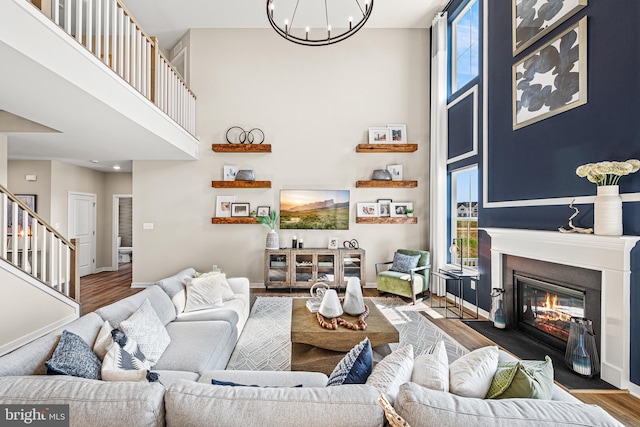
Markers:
(634, 390)
(142, 284)
(101, 269)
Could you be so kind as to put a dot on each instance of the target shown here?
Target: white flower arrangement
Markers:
(607, 173)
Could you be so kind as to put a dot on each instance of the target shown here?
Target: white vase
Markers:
(273, 242)
(607, 211)
(330, 305)
(353, 301)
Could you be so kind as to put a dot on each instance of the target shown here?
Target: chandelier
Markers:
(320, 26)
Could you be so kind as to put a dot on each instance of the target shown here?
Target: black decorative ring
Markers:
(245, 136)
(351, 244)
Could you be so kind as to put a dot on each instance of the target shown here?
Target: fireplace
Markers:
(544, 310)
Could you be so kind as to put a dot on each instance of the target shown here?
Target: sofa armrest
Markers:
(239, 285)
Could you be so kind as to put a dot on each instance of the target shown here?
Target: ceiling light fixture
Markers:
(116, 167)
(342, 28)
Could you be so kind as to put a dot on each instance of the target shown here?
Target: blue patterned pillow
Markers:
(404, 263)
(74, 357)
(355, 367)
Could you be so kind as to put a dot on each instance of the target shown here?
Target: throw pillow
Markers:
(471, 375)
(124, 361)
(103, 340)
(404, 263)
(531, 379)
(392, 371)
(72, 356)
(431, 369)
(207, 292)
(355, 367)
(144, 327)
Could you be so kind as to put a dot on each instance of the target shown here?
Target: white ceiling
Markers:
(169, 20)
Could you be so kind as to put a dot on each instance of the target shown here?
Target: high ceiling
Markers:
(170, 19)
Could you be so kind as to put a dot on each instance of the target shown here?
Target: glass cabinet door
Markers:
(303, 267)
(277, 268)
(327, 267)
(352, 265)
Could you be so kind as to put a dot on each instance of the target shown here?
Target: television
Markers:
(314, 209)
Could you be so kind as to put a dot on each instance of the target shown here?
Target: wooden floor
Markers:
(100, 289)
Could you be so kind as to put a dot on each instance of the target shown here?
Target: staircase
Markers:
(38, 275)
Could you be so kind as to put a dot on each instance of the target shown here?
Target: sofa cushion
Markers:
(197, 346)
(166, 378)
(145, 327)
(174, 287)
(91, 403)
(197, 404)
(355, 367)
(471, 374)
(404, 263)
(74, 357)
(416, 404)
(118, 311)
(523, 379)
(230, 311)
(30, 359)
(267, 378)
(392, 371)
(208, 291)
(431, 369)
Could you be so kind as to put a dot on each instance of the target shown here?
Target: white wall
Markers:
(314, 105)
(4, 141)
(17, 184)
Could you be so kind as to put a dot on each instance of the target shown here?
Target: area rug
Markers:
(265, 343)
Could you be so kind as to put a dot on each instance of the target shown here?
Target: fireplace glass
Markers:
(544, 309)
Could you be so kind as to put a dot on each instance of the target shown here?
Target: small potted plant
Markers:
(410, 213)
(252, 214)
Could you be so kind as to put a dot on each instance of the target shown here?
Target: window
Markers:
(465, 45)
(464, 216)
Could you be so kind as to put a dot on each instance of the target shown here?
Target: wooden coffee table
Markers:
(314, 348)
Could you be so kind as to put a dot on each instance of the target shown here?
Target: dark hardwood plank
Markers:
(98, 290)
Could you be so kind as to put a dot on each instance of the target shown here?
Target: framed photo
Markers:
(368, 210)
(396, 172)
(240, 209)
(400, 209)
(398, 133)
(562, 86)
(27, 199)
(223, 206)
(263, 211)
(379, 135)
(333, 243)
(384, 207)
(230, 172)
(532, 20)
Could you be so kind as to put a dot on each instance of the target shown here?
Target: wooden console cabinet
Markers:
(301, 268)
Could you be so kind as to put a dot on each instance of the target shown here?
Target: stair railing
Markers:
(111, 33)
(28, 242)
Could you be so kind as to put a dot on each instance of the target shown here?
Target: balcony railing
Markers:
(110, 32)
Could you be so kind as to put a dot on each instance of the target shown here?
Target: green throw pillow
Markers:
(531, 379)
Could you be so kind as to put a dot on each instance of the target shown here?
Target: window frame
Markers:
(453, 207)
(453, 60)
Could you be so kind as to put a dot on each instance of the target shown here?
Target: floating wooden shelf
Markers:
(234, 220)
(386, 148)
(386, 184)
(387, 220)
(241, 148)
(241, 184)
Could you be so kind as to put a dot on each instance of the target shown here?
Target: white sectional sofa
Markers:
(201, 345)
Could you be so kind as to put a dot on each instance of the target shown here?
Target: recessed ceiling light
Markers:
(116, 167)
(95, 161)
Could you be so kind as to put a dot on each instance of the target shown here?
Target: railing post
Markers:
(44, 6)
(74, 282)
(154, 47)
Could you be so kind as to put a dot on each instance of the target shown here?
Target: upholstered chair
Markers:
(407, 275)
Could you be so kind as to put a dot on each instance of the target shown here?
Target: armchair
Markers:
(403, 276)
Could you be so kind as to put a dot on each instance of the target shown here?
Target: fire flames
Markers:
(551, 318)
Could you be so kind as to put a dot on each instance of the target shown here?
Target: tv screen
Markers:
(314, 209)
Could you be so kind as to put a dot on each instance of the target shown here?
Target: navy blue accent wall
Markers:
(539, 160)
(461, 127)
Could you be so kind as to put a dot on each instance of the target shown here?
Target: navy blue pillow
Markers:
(355, 367)
(74, 357)
(232, 384)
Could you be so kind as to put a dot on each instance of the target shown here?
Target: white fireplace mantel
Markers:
(611, 255)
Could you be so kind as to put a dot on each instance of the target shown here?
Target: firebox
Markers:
(543, 309)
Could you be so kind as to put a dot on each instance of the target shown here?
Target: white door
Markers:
(82, 226)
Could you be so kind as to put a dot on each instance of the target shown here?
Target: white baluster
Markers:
(34, 247)
(67, 16)
(78, 21)
(99, 36)
(24, 242)
(126, 66)
(114, 35)
(120, 42)
(43, 255)
(14, 233)
(89, 27)
(5, 225)
(63, 287)
(68, 269)
(56, 12)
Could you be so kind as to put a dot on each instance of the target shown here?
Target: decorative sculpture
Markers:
(330, 306)
(572, 228)
(353, 301)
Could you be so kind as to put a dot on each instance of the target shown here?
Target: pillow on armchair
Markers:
(404, 263)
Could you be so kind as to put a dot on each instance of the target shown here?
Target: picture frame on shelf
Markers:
(396, 172)
(223, 206)
(379, 135)
(368, 210)
(398, 133)
(399, 210)
(384, 207)
(333, 243)
(229, 172)
(240, 209)
(263, 211)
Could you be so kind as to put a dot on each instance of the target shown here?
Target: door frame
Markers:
(115, 221)
(94, 241)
